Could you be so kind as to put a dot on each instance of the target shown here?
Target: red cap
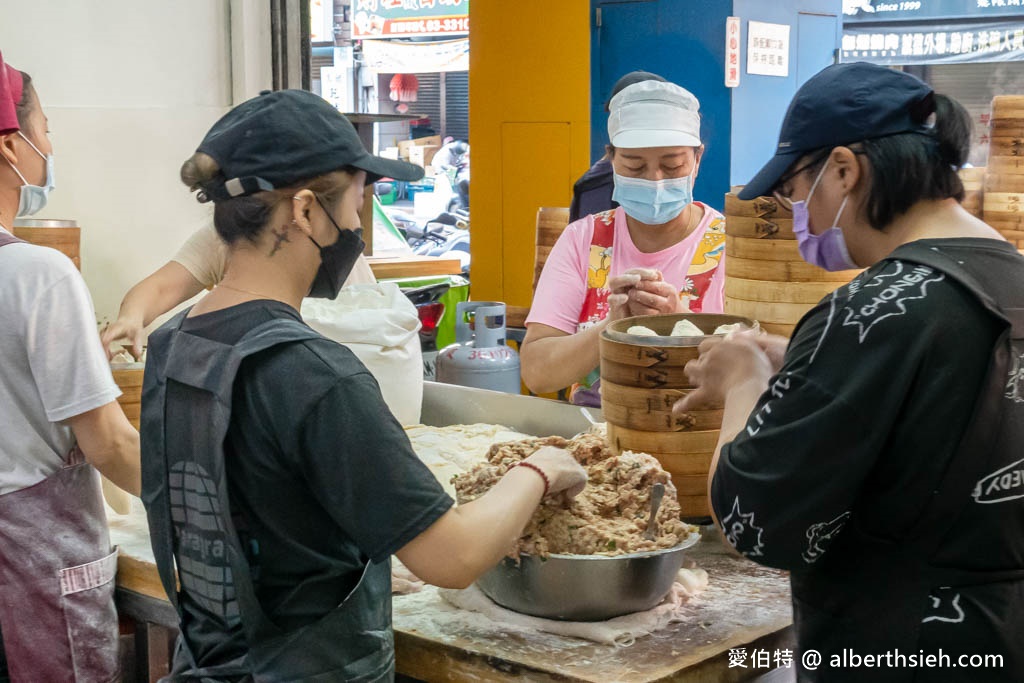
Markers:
(11, 87)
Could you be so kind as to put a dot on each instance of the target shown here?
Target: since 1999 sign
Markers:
(409, 18)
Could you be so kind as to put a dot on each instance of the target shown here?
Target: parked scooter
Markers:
(445, 235)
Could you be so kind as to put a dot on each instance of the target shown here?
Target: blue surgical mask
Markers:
(827, 250)
(653, 202)
(33, 198)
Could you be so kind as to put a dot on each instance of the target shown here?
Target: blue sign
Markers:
(877, 11)
(902, 43)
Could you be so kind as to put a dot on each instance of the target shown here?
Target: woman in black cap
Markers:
(275, 478)
(879, 459)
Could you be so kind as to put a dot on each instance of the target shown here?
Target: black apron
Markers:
(186, 411)
(830, 613)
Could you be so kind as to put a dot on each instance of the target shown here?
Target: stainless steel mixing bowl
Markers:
(585, 587)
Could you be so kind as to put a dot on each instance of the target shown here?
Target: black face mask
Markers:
(336, 260)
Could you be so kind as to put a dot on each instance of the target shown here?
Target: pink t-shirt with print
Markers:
(562, 288)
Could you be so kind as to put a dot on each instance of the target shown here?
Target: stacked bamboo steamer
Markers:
(641, 379)
(551, 223)
(765, 277)
(63, 235)
(974, 191)
(129, 380)
(1004, 179)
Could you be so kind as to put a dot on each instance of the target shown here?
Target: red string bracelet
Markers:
(547, 482)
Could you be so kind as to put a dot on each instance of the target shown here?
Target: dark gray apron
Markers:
(186, 412)
(57, 573)
(903, 575)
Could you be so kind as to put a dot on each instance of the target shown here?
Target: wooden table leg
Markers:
(153, 651)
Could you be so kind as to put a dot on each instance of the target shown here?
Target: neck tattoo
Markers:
(280, 236)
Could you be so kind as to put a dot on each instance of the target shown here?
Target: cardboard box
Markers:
(389, 153)
(422, 155)
(405, 145)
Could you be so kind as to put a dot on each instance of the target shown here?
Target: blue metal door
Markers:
(815, 44)
(622, 35)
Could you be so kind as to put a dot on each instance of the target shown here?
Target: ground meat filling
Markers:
(608, 518)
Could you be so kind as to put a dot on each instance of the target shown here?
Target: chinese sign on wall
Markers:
(409, 18)
(931, 44)
(732, 52)
(767, 49)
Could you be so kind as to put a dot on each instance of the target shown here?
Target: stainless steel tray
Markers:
(448, 404)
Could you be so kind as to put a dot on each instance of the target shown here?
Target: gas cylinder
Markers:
(479, 357)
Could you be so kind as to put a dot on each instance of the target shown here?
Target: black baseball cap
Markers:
(628, 80)
(840, 105)
(279, 138)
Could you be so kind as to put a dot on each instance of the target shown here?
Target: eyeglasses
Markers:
(782, 197)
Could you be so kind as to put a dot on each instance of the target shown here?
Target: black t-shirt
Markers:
(321, 476)
(592, 193)
(877, 388)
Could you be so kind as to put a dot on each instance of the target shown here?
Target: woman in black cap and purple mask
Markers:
(878, 456)
(275, 478)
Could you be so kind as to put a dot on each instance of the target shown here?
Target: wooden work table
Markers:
(413, 265)
(744, 606)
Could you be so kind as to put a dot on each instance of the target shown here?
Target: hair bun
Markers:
(921, 109)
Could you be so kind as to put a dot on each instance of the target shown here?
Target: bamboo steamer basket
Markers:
(974, 184)
(783, 271)
(641, 379)
(1008, 107)
(1004, 210)
(63, 235)
(1004, 202)
(1006, 128)
(128, 377)
(761, 249)
(1005, 165)
(1006, 146)
(760, 207)
(766, 279)
(973, 204)
(768, 311)
(1004, 182)
(765, 228)
(551, 223)
(777, 292)
(972, 177)
(974, 189)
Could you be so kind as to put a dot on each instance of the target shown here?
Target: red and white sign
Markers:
(732, 52)
(409, 18)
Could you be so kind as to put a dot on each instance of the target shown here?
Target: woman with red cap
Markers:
(61, 423)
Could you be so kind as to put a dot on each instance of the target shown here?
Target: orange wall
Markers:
(529, 126)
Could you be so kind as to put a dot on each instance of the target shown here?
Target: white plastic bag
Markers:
(379, 324)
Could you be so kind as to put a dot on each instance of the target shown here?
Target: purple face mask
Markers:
(827, 250)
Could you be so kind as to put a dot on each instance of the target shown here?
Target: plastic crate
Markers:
(388, 198)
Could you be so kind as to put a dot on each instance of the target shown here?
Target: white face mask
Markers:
(653, 202)
(33, 197)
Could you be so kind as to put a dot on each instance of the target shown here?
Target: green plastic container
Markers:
(458, 290)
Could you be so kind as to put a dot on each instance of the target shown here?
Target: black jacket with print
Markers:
(858, 429)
